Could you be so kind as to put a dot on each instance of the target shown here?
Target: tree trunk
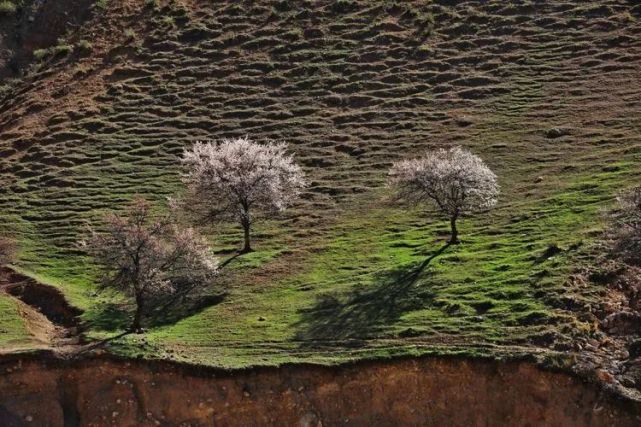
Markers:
(136, 326)
(247, 242)
(454, 237)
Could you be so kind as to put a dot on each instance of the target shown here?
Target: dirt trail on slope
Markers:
(48, 315)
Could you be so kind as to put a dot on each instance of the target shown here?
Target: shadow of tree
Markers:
(229, 260)
(94, 345)
(364, 311)
(175, 310)
(116, 317)
(109, 317)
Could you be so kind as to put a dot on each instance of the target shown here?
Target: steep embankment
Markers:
(426, 392)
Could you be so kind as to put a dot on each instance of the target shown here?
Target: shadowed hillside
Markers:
(548, 93)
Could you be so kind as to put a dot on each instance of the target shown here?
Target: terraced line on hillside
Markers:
(331, 92)
(351, 90)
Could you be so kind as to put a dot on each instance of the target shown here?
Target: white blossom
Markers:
(146, 255)
(237, 177)
(454, 180)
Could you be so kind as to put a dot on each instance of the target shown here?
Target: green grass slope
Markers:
(548, 93)
(14, 334)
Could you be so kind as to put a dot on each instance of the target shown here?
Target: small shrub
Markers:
(151, 4)
(7, 8)
(83, 70)
(557, 132)
(130, 34)
(423, 50)
(426, 24)
(84, 46)
(101, 4)
(167, 21)
(40, 54)
(182, 14)
(293, 35)
(627, 17)
(62, 50)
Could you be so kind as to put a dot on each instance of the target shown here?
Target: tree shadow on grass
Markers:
(171, 312)
(94, 345)
(109, 317)
(229, 260)
(365, 311)
(117, 317)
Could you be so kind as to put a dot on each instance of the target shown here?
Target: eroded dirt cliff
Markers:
(428, 391)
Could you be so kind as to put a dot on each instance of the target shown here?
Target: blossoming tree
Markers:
(238, 178)
(454, 180)
(147, 255)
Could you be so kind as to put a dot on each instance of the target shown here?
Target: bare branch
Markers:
(145, 255)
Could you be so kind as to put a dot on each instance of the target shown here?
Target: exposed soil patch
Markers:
(48, 315)
(46, 299)
(423, 392)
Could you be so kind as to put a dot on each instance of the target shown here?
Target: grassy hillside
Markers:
(546, 92)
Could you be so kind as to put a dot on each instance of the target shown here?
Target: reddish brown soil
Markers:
(432, 392)
(48, 315)
(46, 299)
